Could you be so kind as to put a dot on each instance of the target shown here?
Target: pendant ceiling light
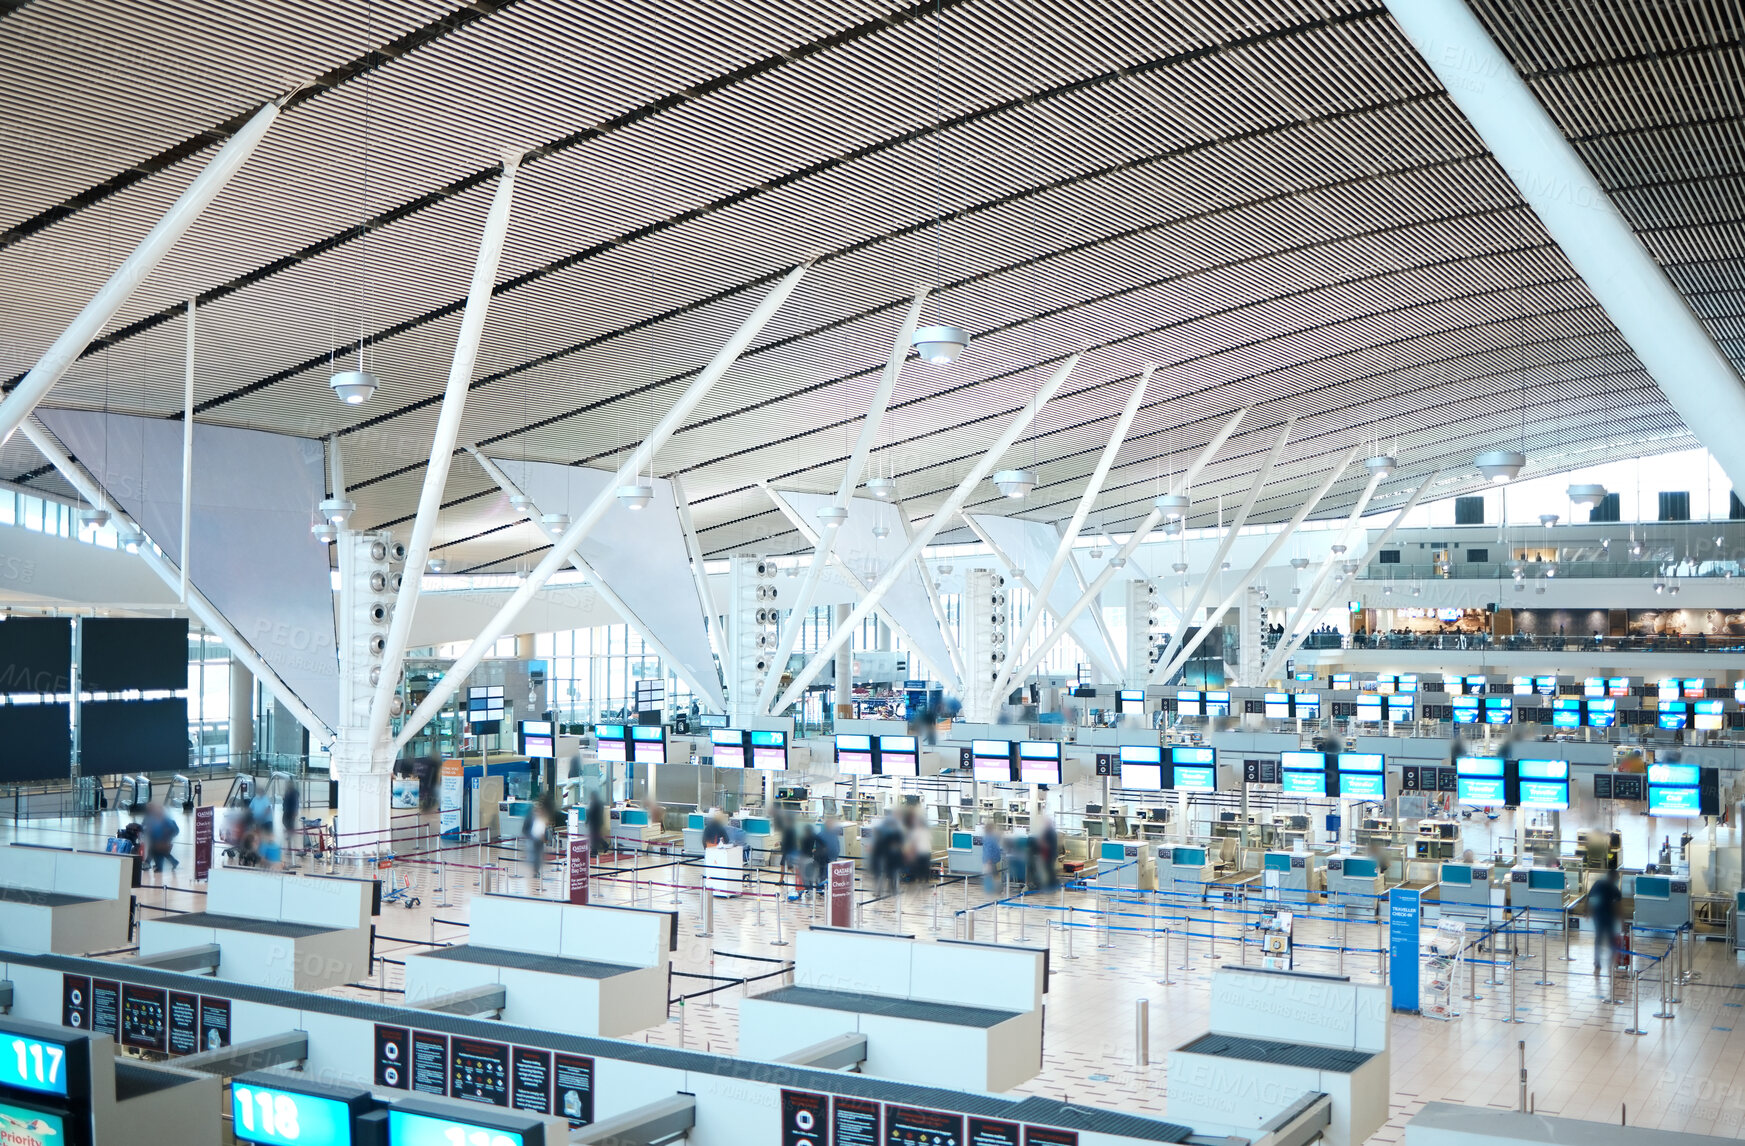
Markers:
(1589, 494)
(521, 503)
(881, 487)
(940, 345)
(436, 565)
(1500, 465)
(636, 495)
(1382, 464)
(355, 387)
(1015, 484)
(1174, 505)
(831, 516)
(324, 532)
(337, 510)
(97, 518)
(555, 522)
(129, 538)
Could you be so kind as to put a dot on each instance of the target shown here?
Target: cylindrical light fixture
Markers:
(1500, 465)
(353, 387)
(1174, 505)
(636, 495)
(831, 516)
(521, 503)
(1589, 494)
(1382, 464)
(555, 522)
(881, 487)
(1015, 484)
(338, 510)
(940, 344)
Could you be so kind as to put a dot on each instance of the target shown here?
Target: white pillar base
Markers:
(366, 781)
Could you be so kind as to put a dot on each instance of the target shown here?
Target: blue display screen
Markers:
(1466, 710)
(1360, 762)
(1195, 779)
(1602, 713)
(1369, 709)
(407, 1128)
(1304, 783)
(1140, 754)
(21, 1126)
(1564, 718)
(1479, 765)
(1481, 791)
(1193, 755)
(287, 1118)
(1543, 769)
(1690, 774)
(1362, 785)
(38, 1065)
(1663, 801)
(1545, 794)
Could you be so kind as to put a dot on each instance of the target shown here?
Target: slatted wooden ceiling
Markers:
(1273, 201)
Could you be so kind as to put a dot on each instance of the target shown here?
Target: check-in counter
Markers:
(64, 902)
(1540, 890)
(693, 833)
(1128, 864)
(761, 838)
(1184, 870)
(1464, 891)
(1355, 883)
(1290, 876)
(301, 932)
(1662, 901)
(963, 856)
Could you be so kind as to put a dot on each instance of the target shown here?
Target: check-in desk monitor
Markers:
(1291, 871)
(1673, 790)
(1039, 761)
(1142, 767)
(963, 853)
(1130, 701)
(610, 742)
(1303, 773)
(769, 749)
(898, 756)
(1126, 864)
(1537, 888)
(1187, 870)
(648, 743)
(1544, 784)
(1362, 776)
(1193, 769)
(993, 761)
(854, 754)
(728, 747)
(1479, 782)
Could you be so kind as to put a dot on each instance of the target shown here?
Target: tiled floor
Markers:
(1686, 1073)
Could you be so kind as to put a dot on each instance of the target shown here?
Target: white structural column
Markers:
(579, 529)
(1092, 488)
(1090, 596)
(241, 731)
(1289, 646)
(187, 450)
(1696, 377)
(925, 534)
(1341, 538)
(869, 430)
(448, 423)
(1278, 543)
(844, 667)
(202, 609)
(595, 581)
(110, 298)
(1217, 563)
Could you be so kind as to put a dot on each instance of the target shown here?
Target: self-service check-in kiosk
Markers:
(1185, 871)
(1126, 864)
(1538, 889)
(1465, 891)
(1295, 874)
(1354, 882)
(1662, 901)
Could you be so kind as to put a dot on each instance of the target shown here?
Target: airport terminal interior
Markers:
(1005, 574)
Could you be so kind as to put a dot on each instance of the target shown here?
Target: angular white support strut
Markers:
(1289, 648)
(560, 553)
(598, 583)
(203, 610)
(448, 423)
(1247, 578)
(187, 451)
(104, 305)
(1125, 553)
(1696, 377)
(926, 533)
(869, 430)
(1295, 618)
(1081, 511)
(1016, 572)
(1229, 539)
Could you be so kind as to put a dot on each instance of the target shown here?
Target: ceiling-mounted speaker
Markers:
(397, 706)
(378, 581)
(375, 675)
(378, 551)
(378, 613)
(397, 551)
(760, 665)
(378, 645)
(395, 580)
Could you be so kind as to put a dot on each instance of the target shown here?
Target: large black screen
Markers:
(36, 655)
(133, 736)
(119, 653)
(37, 740)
